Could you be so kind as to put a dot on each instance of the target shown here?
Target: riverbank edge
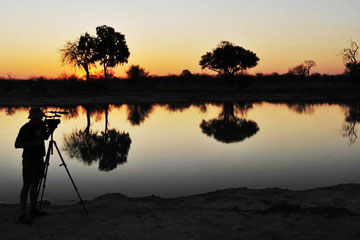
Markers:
(173, 97)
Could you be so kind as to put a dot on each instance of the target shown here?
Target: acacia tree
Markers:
(111, 48)
(303, 69)
(80, 53)
(228, 59)
(309, 64)
(299, 70)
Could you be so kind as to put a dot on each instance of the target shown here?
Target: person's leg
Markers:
(33, 194)
(24, 195)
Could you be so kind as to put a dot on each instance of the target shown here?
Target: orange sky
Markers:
(166, 37)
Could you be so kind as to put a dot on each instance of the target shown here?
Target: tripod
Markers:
(50, 151)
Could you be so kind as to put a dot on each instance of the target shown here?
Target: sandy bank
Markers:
(327, 213)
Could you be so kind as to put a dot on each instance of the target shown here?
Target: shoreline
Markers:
(240, 213)
(72, 100)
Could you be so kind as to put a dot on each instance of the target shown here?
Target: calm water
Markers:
(182, 149)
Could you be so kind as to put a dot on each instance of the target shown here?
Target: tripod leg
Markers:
(72, 181)
(43, 180)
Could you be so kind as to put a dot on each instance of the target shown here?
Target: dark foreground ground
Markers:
(327, 213)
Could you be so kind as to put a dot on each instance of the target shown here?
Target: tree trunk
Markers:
(88, 119)
(105, 73)
(106, 79)
(86, 68)
(87, 75)
(106, 119)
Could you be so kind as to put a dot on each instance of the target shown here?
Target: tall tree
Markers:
(309, 64)
(80, 53)
(111, 48)
(228, 59)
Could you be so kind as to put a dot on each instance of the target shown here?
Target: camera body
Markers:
(53, 120)
(52, 123)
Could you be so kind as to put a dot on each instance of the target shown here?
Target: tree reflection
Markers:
(137, 113)
(113, 148)
(109, 147)
(227, 127)
(178, 107)
(82, 144)
(302, 108)
(11, 110)
(351, 120)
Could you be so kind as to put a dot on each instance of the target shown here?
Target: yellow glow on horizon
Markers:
(170, 36)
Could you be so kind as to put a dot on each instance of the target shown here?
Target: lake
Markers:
(181, 149)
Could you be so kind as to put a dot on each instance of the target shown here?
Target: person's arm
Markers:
(21, 142)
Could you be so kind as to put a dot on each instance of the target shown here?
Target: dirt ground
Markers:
(327, 213)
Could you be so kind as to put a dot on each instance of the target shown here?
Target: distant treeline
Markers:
(250, 85)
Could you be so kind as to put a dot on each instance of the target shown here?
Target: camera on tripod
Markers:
(53, 120)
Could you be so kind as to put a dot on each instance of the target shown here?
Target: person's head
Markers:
(36, 113)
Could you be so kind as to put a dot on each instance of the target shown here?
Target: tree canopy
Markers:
(108, 48)
(111, 48)
(228, 59)
(80, 53)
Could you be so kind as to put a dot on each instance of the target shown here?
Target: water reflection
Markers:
(138, 113)
(109, 147)
(228, 128)
(293, 150)
(225, 128)
(352, 118)
(178, 107)
(302, 108)
(11, 110)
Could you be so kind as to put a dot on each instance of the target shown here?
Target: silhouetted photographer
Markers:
(31, 139)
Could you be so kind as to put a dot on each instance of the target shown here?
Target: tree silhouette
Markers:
(111, 48)
(109, 147)
(351, 120)
(137, 113)
(136, 72)
(80, 53)
(350, 56)
(228, 128)
(299, 70)
(309, 64)
(113, 149)
(186, 73)
(228, 59)
(82, 144)
(303, 69)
